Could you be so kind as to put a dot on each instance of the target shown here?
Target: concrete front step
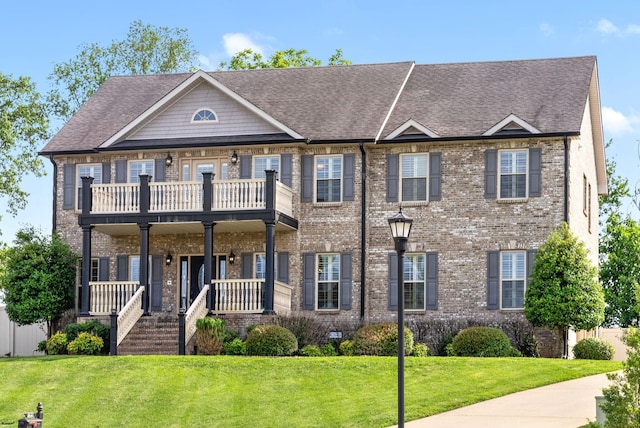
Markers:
(151, 336)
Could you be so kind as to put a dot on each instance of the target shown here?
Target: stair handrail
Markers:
(130, 314)
(198, 309)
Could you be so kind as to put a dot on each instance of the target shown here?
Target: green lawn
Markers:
(265, 392)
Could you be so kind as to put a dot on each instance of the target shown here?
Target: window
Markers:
(512, 279)
(585, 195)
(134, 269)
(414, 281)
(413, 178)
(513, 174)
(328, 178)
(261, 265)
(204, 115)
(328, 281)
(589, 207)
(264, 163)
(88, 170)
(140, 167)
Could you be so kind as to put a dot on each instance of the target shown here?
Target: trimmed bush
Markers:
(482, 342)
(271, 340)
(346, 348)
(235, 347)
(94, 327)
(593, 348)
(85, 344)
(381, 340)
(311, 351)
(329, 351)
(421, 350)
(209, 335)
(57, 344)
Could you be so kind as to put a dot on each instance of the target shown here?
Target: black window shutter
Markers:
(245, 167)
(493, 279)
(349, 172)
(491, 174)
(156, 282)
(307, 179)
(122, 268)
(121, 171)
(432, 281)
(393, 175)
(103, 269)
(286, 169)
(106, 172)
(160, 170)
(435, 191)
(308, 281)
(531, 261)
(247, 265)
(68, 186)
(283, 267)
(393, 281)
(535, 172)
(345, 281)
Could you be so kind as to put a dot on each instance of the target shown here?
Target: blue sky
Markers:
(36, 35)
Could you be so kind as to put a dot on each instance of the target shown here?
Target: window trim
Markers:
(502, 279)
(256, 158)
(78, 184)
(426, 177)
(264, 255)
(315, 178)
(204, 120)
(423, 255)
(337, 257)
(132, 161)
(499, 175)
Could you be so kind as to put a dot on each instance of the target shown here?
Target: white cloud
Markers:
(633, 29)
(616, 123)
(236, 42)
(607, 27)
(546, 29)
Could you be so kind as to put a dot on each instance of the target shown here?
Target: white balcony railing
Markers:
(237, 296)
(106, 296)
(188, 196)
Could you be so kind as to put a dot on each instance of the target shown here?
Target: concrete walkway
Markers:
(569, 404)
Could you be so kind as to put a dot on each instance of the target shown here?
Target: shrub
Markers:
(85, 344)
(311, 351)
(346, 348)
(593, 348)
(329, 351)
(271, 340)
(209, 335)
(381, 340)
(57, 344)
(235, 347)
(307, 330)
(482, 342)
(94, 327)
(421, 350)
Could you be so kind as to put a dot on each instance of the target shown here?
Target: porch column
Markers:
(86, 270)
(145, 194)
(207, 191)
(144, 266)
(87, 197)
(269, 276)
(270, 189)
(208, 259)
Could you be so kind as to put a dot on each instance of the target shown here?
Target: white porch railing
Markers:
(106, 296)
(237, 296)
(198, 309)
(187, 196)
(130, 314)
(282, 298)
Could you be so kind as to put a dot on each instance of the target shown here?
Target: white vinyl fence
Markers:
(19, 341)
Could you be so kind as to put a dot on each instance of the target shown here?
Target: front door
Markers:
(192, 276)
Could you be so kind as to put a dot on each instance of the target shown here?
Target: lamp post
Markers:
(400, 229)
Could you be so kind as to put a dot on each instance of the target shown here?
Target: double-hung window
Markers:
(261, 265)
(87, 170)
(513, 174)
(134, 269)
(328, 281)
(328, 178)
(265, 163)
(512, 279)
(140, 167)
(413, 178)
(414, 281)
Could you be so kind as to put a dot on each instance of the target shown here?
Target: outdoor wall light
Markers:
(234, 158)
(232, 258)
(169, 259)
(169, 160)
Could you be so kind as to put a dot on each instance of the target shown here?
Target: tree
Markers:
(249, 60)
(618, 188)
(564, 291)
(145, 50)
(23, 126)
(39, 277)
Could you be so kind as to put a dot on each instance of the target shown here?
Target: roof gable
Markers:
(412, 128)
(511, 124)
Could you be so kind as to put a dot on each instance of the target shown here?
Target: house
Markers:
(268, 191)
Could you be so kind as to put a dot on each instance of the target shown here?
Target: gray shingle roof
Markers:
(352, 102)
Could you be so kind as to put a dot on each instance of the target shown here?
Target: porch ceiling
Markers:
(176, 228)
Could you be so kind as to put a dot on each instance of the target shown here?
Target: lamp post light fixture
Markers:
(400, 229)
